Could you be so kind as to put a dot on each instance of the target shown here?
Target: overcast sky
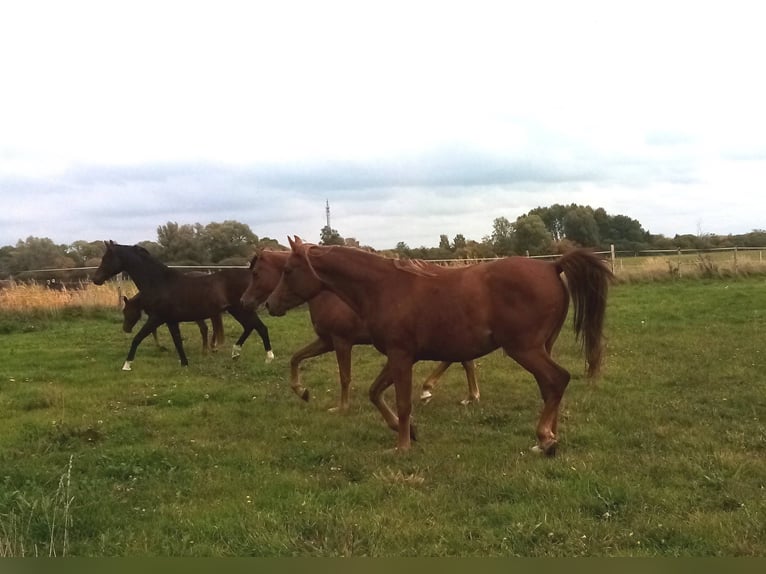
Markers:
(414, 119)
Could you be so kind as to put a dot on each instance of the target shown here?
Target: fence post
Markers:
(611, 249)
(735, 260)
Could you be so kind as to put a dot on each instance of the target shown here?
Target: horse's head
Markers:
(265, 271)
(298, 283)
(131, 313)
(111, 264)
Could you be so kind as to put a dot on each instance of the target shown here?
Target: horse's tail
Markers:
(588, 279)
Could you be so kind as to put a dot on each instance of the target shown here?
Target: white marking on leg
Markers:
(126, 366)
(426, 396)
(236, 351)
(269, 356)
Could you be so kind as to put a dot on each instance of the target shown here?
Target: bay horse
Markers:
(170, 296)
(514, 303)
(131, 313)
(337, 326)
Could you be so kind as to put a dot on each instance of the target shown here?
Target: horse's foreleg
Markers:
(203, 331)
(263, 331)
(175, 333)
(313, 349)
(426, 393)
(552, 381)
(148, 328)
(401, 373)
(249, 321)
(379, 385)
(343, 356)
(236, 349)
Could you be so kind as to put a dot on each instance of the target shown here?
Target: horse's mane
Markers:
(415, 266)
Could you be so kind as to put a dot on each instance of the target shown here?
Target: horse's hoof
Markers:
(236, 351)
(413, 433)
(425, 397)
(269, 357)
(547, 449)
(126, 366)
(305, 395)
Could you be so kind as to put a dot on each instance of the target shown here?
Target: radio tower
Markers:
(327, 212)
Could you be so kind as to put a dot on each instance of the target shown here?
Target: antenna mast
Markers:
(327, 212)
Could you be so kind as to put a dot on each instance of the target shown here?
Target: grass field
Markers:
(665, 455)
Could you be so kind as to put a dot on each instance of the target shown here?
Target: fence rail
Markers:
(673, 260)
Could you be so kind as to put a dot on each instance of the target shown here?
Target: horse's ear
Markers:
(291, 242)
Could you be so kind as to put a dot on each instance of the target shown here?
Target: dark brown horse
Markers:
(132, 310)
(515, 303)
(337, 326)
(170, 296)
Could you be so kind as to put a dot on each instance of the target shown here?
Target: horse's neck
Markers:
(355, 276)
(147, 273)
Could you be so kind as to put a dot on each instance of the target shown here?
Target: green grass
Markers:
(665, 455)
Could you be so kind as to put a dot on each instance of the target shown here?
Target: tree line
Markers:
(543, 230)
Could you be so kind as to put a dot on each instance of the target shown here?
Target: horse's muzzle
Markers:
(274, 310)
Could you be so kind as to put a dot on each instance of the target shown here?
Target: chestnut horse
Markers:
(132, 310)
(337, 326)
(170, 296)
(515, 303)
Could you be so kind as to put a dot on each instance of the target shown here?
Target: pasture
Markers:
(664, 455)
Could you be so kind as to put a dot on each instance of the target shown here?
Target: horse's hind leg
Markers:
(313, 349)
(552, 380)
(343, 356)
(203, 331)
(473, 388)
(175, 333)
(218, 335)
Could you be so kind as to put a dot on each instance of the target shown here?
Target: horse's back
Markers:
(468, 312)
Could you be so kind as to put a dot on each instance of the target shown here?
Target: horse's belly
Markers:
(456, 348)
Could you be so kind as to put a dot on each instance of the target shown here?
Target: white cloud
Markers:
(412, 118)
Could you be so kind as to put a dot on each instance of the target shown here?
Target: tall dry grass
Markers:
(24, 298)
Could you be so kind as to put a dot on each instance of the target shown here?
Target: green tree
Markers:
(531, 235)
(458, 242)
(329, 236)
(403, 250)
(553, 217)
(230, 239)
(181, 244)
(85, 252)
(502, 237)
(580, 226)
(444, 242)
(38, 253)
